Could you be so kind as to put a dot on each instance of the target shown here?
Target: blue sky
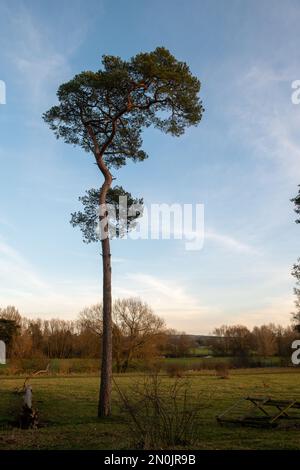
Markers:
(242, 162)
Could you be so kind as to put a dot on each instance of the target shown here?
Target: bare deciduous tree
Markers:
(136, 329)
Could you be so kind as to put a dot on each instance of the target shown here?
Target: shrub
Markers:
(222, 370)
(160, 415)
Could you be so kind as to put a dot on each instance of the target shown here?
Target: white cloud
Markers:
(162, 290)
(118, 260)
(38, 64)
(40, 54)
(275, 309)
(229, 242)
(21, 285)
(16, 271)
(226, 241)
(170, 299)
(265, 117)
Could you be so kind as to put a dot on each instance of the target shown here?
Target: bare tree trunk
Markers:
(104, 407)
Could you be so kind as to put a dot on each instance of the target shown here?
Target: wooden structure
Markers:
(260, 412)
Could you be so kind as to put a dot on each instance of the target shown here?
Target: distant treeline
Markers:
(138, 334)
(265, 340)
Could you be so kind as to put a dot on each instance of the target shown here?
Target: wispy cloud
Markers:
(16, 271)
(226, 241)
(162, 290)
(117, 259)
(266, 118)
(229, 242)
(276, 309)
(40, 55)
(38, 64)
(170, 299)
(23, 286)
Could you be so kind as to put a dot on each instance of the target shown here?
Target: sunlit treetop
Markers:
(105, 111)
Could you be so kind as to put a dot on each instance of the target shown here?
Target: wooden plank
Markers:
(268, 419)
(256, 405)
(272, 402)
(230, 408)
(281, 412)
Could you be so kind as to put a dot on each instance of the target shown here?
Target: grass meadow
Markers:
(68, 404)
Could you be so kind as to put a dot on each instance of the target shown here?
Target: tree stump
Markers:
(28, 416)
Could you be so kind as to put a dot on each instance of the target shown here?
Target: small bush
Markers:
(161, 415)
(222, 370)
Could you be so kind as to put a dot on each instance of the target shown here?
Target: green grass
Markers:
(86, 366)
(201, 351)
(67, 407)
(57, 366)
(189, 362)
